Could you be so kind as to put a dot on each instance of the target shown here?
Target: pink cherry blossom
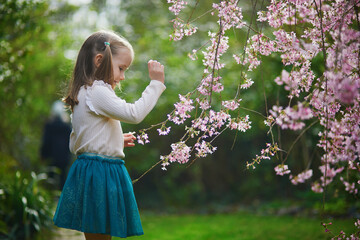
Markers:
(182, 29)
(282, 169)
(143, 138)
(180, 153)
(240, 123)
(230, 14)
(291, 117)
(231, 105)
(182, 110)
(177, 6)
(204, 148)
(301, 177)
(347, 91)
(164, 130)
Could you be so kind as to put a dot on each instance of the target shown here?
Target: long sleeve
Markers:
(105, 102)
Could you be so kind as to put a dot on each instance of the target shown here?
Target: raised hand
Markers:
(156, 71)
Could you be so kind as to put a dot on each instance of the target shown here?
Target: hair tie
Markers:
(107, 43)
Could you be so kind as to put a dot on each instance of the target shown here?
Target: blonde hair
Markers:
(85, 71)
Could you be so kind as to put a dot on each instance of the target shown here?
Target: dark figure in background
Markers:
(55, 143)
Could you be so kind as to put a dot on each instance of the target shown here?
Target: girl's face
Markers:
(121, 61)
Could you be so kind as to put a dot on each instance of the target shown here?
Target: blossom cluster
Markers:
(291, 117)
(177, 6)
(231, 105)
(210, 84)
(180, 153)
(350, 187)
(164, 130)
(282, 169)
(210, 123)
(230, 13)
(257, 45)
(182, 110)
(301, 177)
(219, 45)
(204, 148)
(240, 123)
(143, 138)
(182, 29)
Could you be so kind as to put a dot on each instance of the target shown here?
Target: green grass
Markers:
(236, 226)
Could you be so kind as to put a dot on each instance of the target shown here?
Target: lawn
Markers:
(236, 226)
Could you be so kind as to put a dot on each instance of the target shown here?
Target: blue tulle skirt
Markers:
(98, 197)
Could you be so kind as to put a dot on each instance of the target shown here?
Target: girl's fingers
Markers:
(154, 64)
(129, 136)
(129, 145)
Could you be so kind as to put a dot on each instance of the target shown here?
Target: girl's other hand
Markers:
(156, 71)
(129, 140)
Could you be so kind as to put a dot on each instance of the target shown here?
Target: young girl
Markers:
(98, 197)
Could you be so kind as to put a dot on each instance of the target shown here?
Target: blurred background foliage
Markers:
(39, 41)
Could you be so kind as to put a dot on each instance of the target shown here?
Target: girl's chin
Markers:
(116, 84)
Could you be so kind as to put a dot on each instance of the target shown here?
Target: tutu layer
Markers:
(98, 197)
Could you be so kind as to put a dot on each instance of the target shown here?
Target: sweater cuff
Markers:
(158, 84)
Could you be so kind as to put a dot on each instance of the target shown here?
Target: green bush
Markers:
(25, 206)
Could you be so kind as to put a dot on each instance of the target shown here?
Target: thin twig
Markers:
(142, 175)
(192, 12)
(209, 11)
(215, 59)
(250, 110)
(297, 139)
(325, 100)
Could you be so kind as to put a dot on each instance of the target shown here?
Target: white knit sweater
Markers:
(96, 119)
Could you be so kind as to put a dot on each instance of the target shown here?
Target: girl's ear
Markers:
(97, 59)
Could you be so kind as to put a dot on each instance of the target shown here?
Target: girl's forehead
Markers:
(123, 56)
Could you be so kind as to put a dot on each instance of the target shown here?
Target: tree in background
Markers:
(301, 32)
(33, 68)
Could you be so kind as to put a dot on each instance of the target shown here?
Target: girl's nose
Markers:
(122, 76)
